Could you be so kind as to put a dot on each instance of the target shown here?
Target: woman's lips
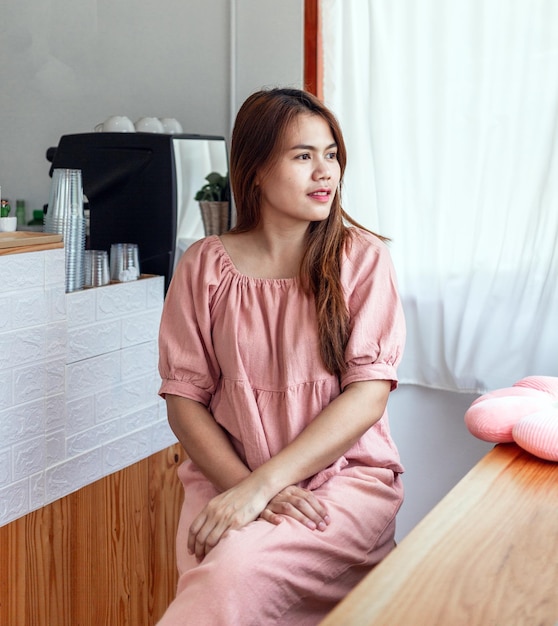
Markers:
(322, 195)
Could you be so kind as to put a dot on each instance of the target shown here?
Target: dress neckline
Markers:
(256, 279)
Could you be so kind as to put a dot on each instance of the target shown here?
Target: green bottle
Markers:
(20, 212)
(38, 218)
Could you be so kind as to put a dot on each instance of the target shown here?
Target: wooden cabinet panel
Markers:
(35, 588)
(166, 500)
(102, 555)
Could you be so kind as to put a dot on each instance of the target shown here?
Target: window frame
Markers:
(313, 65)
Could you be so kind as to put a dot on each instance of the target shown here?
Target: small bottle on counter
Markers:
(20, 213)
(37, 222)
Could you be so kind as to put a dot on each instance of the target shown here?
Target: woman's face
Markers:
(300, 187)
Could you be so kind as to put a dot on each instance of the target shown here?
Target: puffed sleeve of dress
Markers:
(187, 363)
(377, 332)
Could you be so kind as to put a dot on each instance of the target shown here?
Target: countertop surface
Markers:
(24, 241)
(487, 554)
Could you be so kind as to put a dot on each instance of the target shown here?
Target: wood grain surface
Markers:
(22, 241)
(486, 555)
(102, 556)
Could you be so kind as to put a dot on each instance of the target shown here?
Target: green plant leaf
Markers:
(215, 179)
(215, 190)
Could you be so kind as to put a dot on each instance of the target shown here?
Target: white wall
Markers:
(65, 66)
(269, 45)
(436, 448)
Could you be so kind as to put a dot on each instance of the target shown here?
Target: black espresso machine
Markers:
(140, 188)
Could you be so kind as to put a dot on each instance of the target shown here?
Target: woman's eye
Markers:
(303, 157)
(332, 155)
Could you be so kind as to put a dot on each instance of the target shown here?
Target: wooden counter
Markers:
(487, 554)
(23, 241)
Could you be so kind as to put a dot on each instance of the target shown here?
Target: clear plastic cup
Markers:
(66, 194)
(124, 262)
(96, 268)
(64, 216)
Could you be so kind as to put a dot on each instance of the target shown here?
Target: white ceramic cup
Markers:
(171, 126)
(8, 224)
(149, 125)
(116, 124)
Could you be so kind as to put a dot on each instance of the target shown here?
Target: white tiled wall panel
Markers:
(78, 381)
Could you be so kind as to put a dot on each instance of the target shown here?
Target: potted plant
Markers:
(7, 223)
(214, 199)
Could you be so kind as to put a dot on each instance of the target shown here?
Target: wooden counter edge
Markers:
(397, 568)
(31, 248)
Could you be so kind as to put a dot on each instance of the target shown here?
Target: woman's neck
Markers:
(264, 253)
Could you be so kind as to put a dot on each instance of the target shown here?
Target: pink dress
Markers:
(247, 348)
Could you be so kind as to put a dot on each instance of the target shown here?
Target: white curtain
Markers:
(450, 113)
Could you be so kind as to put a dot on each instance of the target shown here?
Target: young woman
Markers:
(279, 344)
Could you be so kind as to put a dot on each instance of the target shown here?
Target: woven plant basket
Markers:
(215, 216)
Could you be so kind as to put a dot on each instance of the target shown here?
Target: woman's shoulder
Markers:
(208, 249)
(363, 244)
(205, 245)
(204, 258)
(367, 262)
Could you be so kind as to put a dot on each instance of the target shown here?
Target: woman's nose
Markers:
(322, 171)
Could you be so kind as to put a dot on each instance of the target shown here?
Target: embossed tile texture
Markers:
(78, 380)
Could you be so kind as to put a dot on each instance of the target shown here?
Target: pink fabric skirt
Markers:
(285, 574)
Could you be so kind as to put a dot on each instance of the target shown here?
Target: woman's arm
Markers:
(208, 446)
(338, 427)
(205, 442)
(265, 491)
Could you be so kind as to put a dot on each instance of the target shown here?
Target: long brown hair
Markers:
(257, 138)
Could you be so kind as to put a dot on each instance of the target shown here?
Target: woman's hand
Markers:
(300, 504)
(231, 509)
(239, 506)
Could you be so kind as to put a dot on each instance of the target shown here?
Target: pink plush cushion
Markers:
(538, 434)
(526, 413)
(493, 416)
(546, 384)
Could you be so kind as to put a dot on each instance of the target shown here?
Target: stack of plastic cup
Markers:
(124, 262)
(65, 217)
(96, 268)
